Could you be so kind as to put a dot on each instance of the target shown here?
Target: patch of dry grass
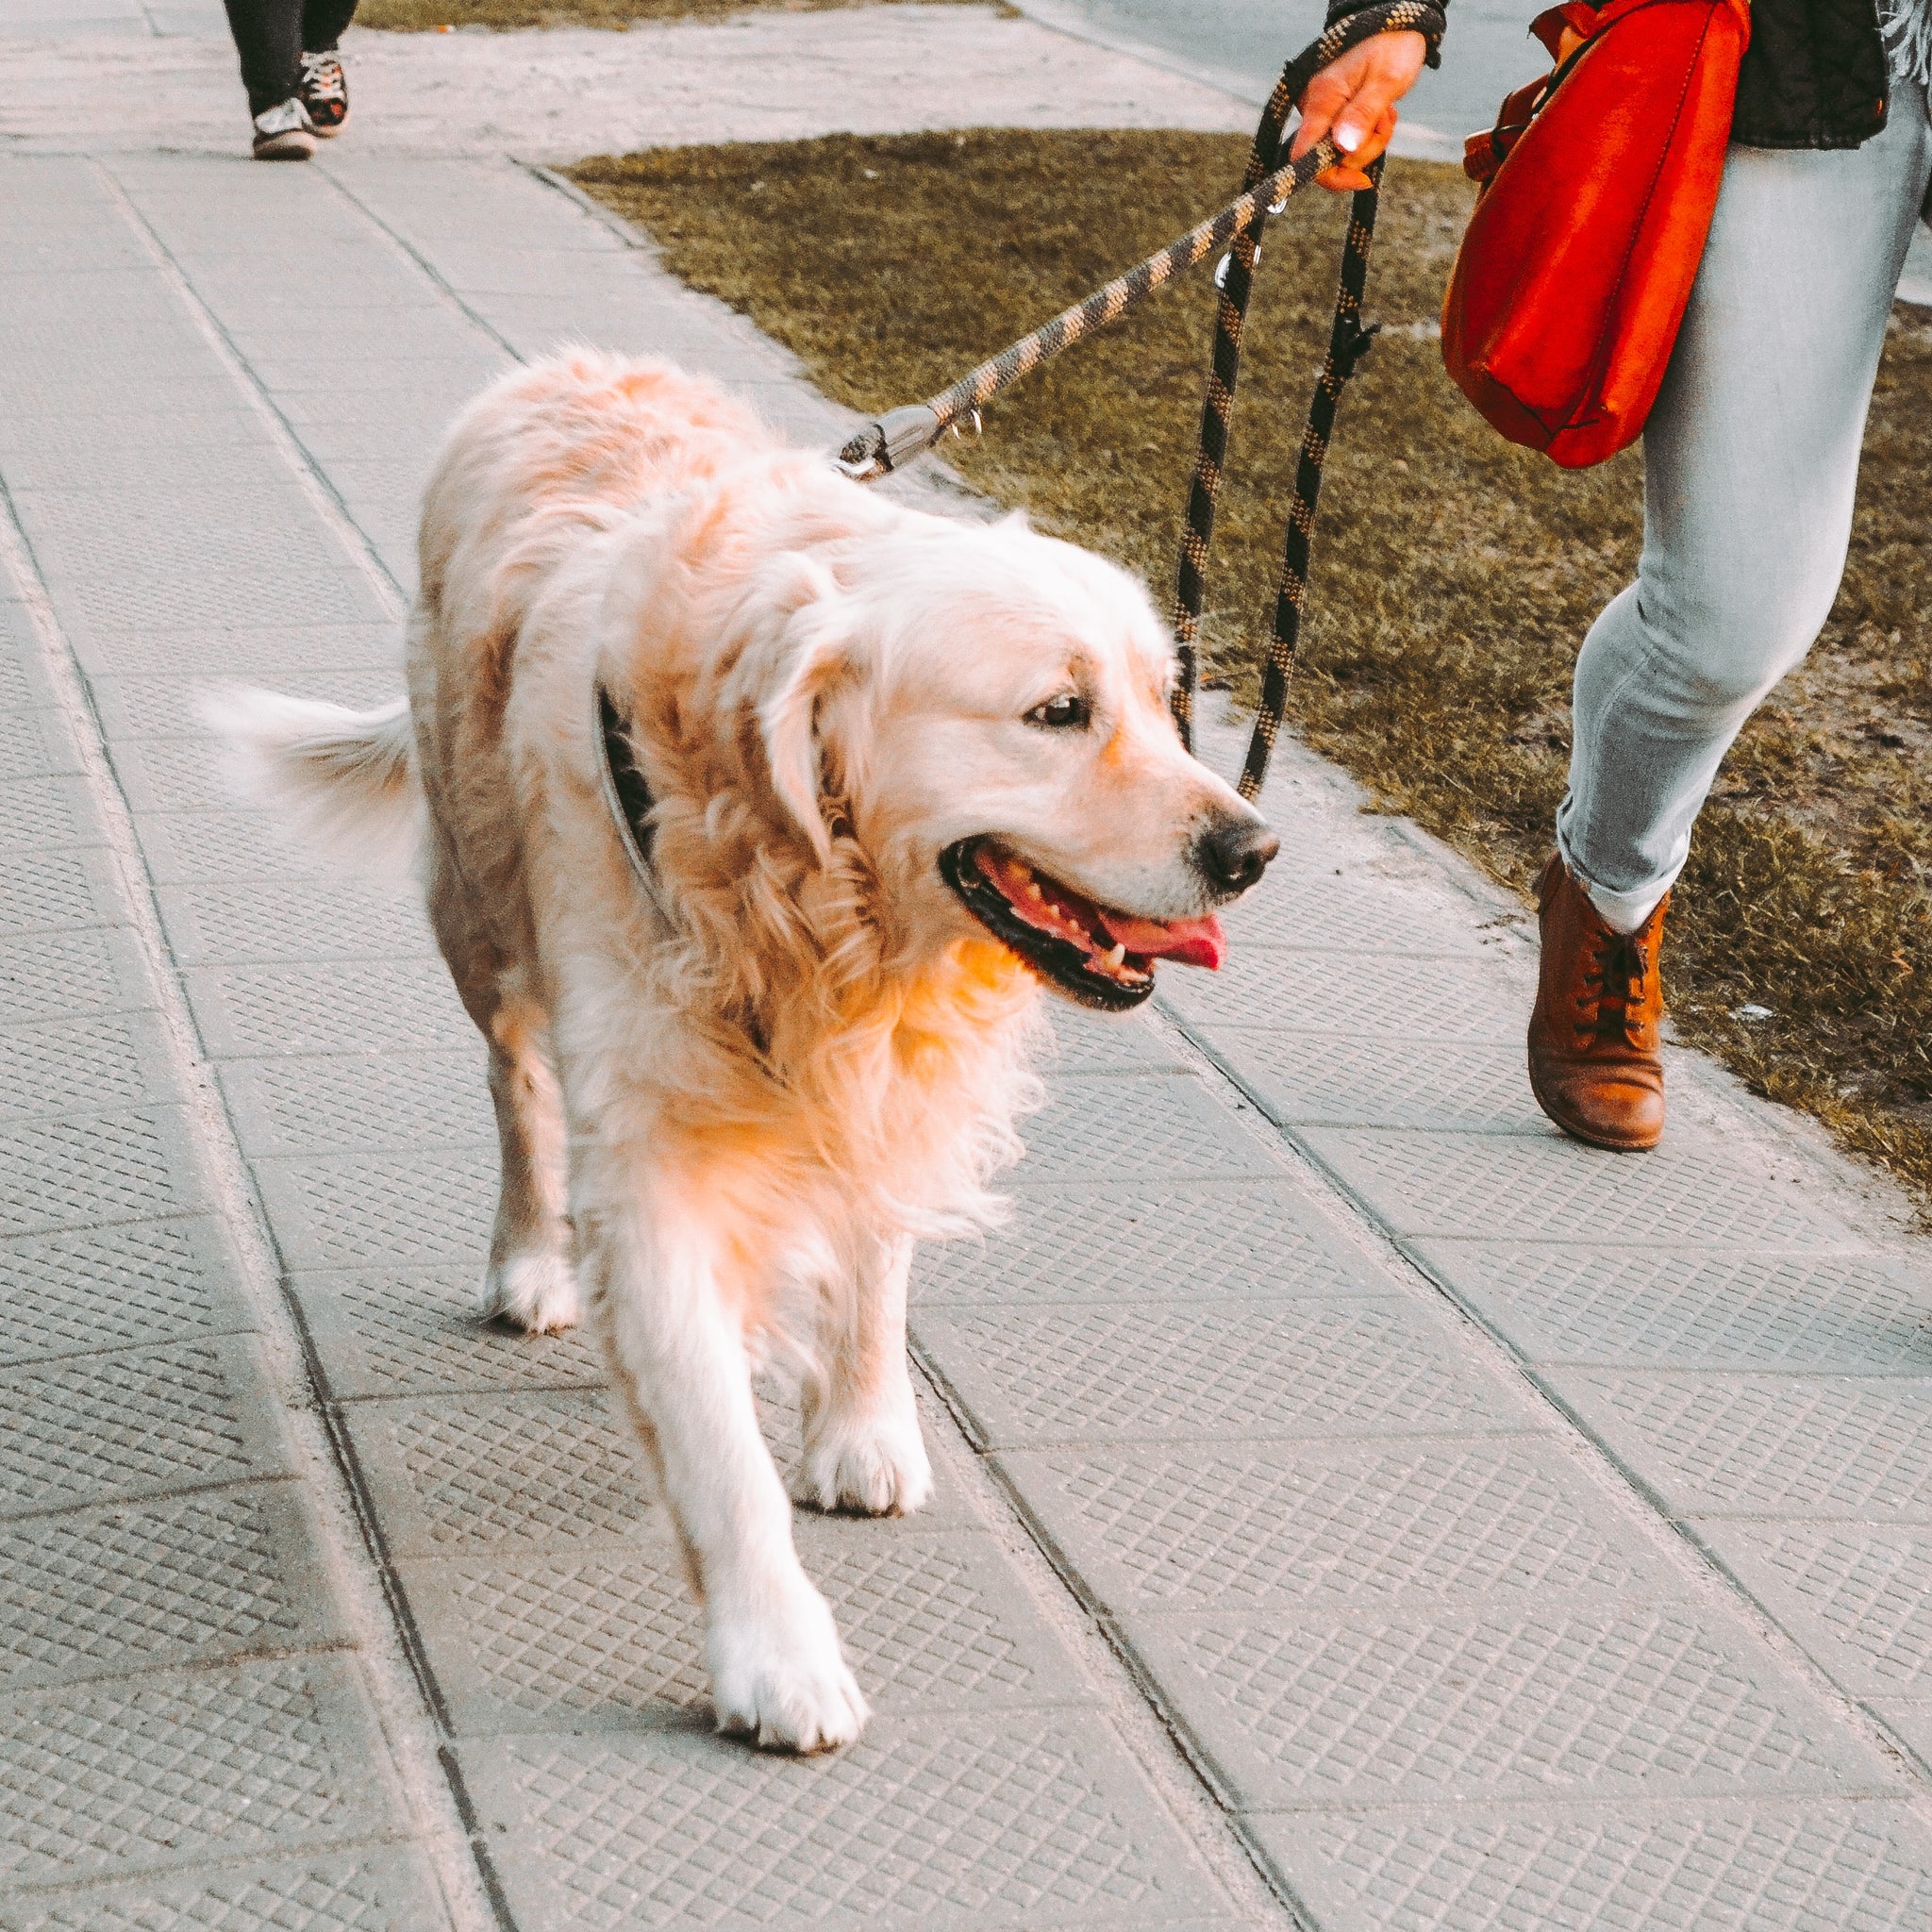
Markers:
(430, 16)
(1453, 574)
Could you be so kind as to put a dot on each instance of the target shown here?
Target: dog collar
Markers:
(625, 795)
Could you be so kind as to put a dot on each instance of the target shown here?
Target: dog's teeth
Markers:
(1033, 891)
(1114, 957)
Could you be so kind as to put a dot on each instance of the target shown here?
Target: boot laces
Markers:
(1613, 988)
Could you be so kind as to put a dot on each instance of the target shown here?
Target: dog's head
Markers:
(986, 710)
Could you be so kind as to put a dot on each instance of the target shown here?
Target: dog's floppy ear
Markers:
(811, 654)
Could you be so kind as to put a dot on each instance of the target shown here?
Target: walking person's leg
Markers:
(325, 88)
(268, 39)
(1751, 465)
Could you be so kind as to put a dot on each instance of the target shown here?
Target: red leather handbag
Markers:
(1598, 185)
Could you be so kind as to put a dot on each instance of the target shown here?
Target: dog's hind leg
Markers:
(864, 1450)
(654, 1264)
(530, 1279)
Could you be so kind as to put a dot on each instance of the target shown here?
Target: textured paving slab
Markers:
(170, 1767)
(1736, 1308)
(1026, 1824)
(1276, 1527)
(189, 1733)
(1466, 1529)
(1358, 1366)
(1544, 1697)
(1809, 1865)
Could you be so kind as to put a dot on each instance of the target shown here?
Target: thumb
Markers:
(1325, 99)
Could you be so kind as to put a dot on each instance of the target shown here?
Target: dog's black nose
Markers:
(1234, 853)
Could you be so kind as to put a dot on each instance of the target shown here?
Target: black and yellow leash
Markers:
(904, 433)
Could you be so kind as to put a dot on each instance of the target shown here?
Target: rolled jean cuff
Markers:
(1620, 911)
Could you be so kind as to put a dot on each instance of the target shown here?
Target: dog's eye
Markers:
(1068, 713)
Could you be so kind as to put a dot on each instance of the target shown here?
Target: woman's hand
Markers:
(1353, 100)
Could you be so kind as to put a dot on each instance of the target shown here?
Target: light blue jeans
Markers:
(1751, 463)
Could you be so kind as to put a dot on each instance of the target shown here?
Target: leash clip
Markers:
(889, 444)
(1226, 261)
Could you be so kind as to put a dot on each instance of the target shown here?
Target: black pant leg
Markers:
(322, 21)
(268, 37)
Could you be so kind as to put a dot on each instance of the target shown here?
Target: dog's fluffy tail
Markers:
(343, 781)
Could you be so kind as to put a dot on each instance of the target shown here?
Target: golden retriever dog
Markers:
(754, 810)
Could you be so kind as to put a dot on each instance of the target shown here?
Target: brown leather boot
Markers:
(1593, 1060)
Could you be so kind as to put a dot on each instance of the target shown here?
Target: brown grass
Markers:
(1454, 573)
(430, 16)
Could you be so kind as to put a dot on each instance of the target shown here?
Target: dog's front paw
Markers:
(783, 1683)
(872, 1465)
(536, 1292)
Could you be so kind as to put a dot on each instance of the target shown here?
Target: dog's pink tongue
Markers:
(1192, 941)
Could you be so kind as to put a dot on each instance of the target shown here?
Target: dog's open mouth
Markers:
(1096, 955)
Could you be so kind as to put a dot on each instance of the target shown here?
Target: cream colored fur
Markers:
(726, 1131)
(341, 780)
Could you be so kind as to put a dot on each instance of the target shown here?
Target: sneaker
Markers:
(325, 93)
(284, 133)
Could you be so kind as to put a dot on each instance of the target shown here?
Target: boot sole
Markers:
(1591, 1137)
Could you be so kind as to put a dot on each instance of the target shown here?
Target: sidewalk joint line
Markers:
(1194, 1763)
(1758, 1619)
(310, 476)
(1147, 1687)
(425, 266)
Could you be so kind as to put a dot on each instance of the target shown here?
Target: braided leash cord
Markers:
(1347, 343)
(902, 433)
(882, 446)
(1109, 304)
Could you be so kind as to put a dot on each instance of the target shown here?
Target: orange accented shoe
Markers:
(1593, 1060)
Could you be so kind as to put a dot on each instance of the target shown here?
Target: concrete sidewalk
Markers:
(772, 73)
(1358, 1507)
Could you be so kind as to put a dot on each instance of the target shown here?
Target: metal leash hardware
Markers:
(894, 439)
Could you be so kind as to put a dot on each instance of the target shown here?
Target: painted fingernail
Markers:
(1347, 140)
